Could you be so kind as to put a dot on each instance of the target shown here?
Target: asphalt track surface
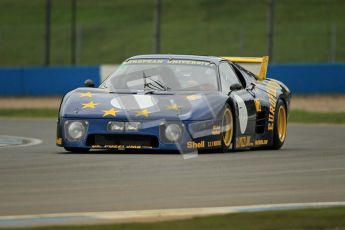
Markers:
(44, 179)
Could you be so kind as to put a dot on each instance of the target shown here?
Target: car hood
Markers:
(99, 103)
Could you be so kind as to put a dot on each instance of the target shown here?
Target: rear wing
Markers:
(256, 65)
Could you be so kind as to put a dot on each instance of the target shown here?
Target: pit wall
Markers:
(56, 81)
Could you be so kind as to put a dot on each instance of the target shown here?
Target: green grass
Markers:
(295, 116)
(110, 31)
(29, 113)
(300, 116)
(327, 218)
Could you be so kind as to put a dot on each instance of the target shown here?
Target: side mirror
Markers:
(235, 87)
(89, 83)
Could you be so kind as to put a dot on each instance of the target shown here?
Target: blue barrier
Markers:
(310, 78)
(10, 82)
(50, 81)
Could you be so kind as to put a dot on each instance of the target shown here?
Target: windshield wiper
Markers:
(124, 92)
(155, 85)
(159, 92)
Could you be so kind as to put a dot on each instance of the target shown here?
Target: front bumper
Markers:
(149, 136)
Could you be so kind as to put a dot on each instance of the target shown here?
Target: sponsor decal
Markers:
(193, 97)
(261, 142)
(257, 105)
(188, 62)
(244, 141)
(59, 141)
(144, 61)
(272, 87)
(203, 144)
(88, 94)
(170, 61)
(173, 107)
(195, 145)
(119, 147)
(216, 129)
(214, 143)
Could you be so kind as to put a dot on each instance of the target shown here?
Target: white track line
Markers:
(31, 141)
(146, 215)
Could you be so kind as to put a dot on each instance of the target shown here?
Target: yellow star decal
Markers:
(88, 94)
(193, 97)
(111, 112)
(144, 113)
(90, 105)
(173, 107)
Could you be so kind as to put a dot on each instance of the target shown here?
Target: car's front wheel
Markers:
(76, 150)
(227, 128)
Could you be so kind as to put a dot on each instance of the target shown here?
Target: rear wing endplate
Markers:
(256, 65)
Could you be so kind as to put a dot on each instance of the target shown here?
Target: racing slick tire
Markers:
(280, 125)
(76, 150)
(227, 129)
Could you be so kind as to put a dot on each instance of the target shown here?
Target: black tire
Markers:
(76, 150)
(227, 128)
(279, 134)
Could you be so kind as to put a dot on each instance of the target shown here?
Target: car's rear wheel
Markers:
(280, 125)
(76, 150)
(227, 128)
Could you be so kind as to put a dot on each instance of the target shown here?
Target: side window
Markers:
(227, 76)
(248, 78)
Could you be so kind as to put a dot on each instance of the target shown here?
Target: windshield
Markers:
(163, 75)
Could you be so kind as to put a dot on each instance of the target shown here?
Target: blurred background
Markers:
(49, 47)
(88, 32)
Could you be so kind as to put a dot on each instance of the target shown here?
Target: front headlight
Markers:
(132, 126)
(76, 130)
(116, 126)
(173, 132)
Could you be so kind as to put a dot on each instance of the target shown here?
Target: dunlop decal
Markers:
(261, 142)
(244, 141)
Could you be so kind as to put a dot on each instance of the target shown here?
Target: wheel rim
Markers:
(282, 123)
(227, 127)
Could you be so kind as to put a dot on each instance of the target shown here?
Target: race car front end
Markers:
(183, 136)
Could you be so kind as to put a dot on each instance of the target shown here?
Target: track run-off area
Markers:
(44, 179)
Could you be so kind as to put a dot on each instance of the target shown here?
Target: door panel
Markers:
(246, 116)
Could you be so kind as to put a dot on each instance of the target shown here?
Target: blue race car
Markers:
(177, 102)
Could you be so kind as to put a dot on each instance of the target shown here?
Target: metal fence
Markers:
(311, 31)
